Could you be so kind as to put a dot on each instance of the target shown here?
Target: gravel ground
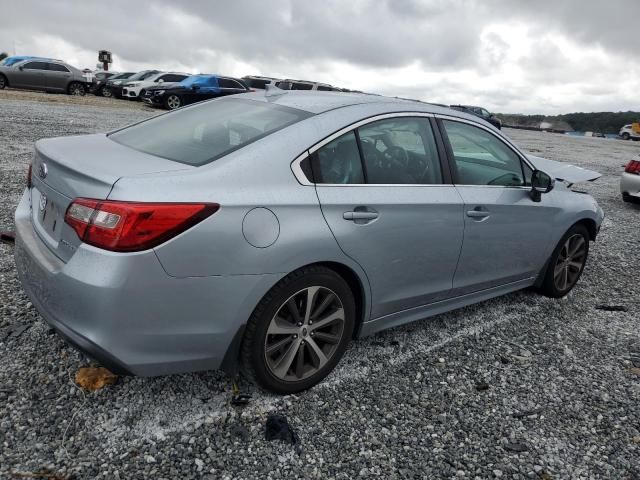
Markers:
(517, 387)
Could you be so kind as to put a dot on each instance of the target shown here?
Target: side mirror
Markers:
(540, 183)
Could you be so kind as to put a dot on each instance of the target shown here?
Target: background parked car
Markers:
(258, 82)
(133, 89)
(115, 86)
(41, 74)
(480, 112)
(7, 62)
(99, 85)
(289, 84)
(630, 182)
(193, 89)
(630, 131)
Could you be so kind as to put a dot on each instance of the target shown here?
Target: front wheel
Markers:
(3, 82)
(106, 92)
(625, 136)
(76, 88)
(172, 102)
(566, 263)
(299, 331)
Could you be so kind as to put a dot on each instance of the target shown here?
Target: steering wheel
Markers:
(397, 155)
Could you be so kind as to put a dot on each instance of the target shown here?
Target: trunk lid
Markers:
(564, 171)
(84, 166)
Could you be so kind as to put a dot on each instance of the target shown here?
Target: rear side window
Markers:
(58, 68)
(338, 162)
(203, 133)
(324, 88)
(301, 86)
(396, 151)
(256, 83)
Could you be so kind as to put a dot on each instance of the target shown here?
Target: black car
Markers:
(257, 82)
(191, 90)
(480, 112)
(100, 86)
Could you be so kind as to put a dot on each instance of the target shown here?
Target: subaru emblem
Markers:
(42, 170)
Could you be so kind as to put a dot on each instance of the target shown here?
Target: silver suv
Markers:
(49, 75)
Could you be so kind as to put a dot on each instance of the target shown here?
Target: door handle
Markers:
(360, 215)
(475, 213)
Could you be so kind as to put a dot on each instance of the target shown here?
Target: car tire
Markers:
(172, 102)
(625, 136)
(76, 88)
(106, 92)
(566, 263)
(306, 345)
(3, 82)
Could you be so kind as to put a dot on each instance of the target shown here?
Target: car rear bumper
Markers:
(125, 311)
(630, 185)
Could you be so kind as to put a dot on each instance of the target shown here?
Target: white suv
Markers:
(628, 133)
(134, 89)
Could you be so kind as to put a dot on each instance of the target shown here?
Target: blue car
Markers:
(191, 90)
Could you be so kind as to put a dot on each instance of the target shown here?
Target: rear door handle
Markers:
(477, 213)
(360, 215)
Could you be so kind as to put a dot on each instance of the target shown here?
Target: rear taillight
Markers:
(633, 167)
(29, 176)
(133, 226)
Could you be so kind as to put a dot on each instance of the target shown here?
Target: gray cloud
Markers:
(369, 43)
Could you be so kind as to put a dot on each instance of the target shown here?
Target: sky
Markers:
(510, 56)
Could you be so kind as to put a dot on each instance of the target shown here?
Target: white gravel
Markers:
(562, 400)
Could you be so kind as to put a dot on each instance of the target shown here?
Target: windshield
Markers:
(142, 75)
(203, 133)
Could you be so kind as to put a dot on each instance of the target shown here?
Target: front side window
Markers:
(35, 66)
(203, 133)
(400, 151)
(481, 158)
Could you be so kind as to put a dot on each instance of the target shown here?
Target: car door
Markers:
(506, 233)
(383, 194)
(58, 77)
(30, 75)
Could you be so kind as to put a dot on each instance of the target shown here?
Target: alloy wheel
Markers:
(2, 82)
(106, 92)
(304, 333)
(173, 102)
(570, 262)
(76, 89)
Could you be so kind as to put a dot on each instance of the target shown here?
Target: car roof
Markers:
(314, 101)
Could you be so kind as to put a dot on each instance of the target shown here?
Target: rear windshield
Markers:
(203, 133)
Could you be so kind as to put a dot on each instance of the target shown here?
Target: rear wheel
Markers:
(172, 102)
(106, 92)
(625, 136)
(76, 88)
(566, 263)
(3, 81)
(299, 331)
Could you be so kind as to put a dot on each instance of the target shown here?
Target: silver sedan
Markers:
(266, 231)
(630, 182)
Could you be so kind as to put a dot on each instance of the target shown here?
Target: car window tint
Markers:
(58, 68)
(35, 66)
(400, 151)
(481, 158)
(203, 133)
(323, 88)
(338, 161)
(229, 83)
(301, 86)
